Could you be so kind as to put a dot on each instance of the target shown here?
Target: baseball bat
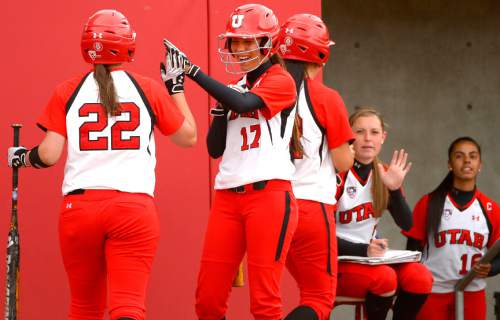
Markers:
(239, 280)
(12, 286)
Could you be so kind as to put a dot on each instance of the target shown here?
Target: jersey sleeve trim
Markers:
(144, 99)
(311, 109)
(340, 186)
(483, 203)
(72, 98)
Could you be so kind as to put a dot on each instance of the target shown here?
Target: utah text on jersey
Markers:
(462, 239)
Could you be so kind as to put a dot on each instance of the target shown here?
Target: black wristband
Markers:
(217, 112)
(35, 160)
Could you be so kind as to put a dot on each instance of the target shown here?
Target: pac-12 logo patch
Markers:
(447, 214)
(92, 54)
(351, 192)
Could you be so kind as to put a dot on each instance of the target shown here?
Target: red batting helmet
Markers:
(250, 21)
(107, 38)
(304, 37)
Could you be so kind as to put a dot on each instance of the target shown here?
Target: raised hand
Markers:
(173, 73)
(16, 157)
(190, 68)
(395, 174)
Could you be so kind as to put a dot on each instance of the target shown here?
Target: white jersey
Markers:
(314, 177)
(460, 242)
(104, 152)
(355, 218)
(256, 148)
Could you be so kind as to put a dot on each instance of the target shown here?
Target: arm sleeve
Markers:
(53, 117)
(495, 266)
(232, 99)
(348, 248)
(418, 229)
(216, 137)
(168, 117)
(399, 209)
(332, 115)
(413, 245)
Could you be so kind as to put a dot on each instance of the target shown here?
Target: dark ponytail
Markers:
(298, 71)
(438, 196)
(276, 59)
(436, 204)
(107, 91)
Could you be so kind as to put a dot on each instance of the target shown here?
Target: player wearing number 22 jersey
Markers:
(118, 143)
(108, 227)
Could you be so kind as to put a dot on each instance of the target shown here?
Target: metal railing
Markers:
(464, 282)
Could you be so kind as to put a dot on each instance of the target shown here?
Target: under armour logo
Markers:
(475, 218)
(289, 30)
(489, 207)
(68, 205)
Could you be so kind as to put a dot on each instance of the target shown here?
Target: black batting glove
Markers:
(17, 157)
(190, 69)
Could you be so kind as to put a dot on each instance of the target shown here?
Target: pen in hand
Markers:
(377, 247)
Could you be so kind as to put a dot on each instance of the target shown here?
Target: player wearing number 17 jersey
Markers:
(108, 225)
(455, 225)
(254, 210)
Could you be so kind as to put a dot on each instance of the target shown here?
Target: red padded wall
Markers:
(40, 49)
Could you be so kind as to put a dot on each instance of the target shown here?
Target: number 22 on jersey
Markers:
(127, 121)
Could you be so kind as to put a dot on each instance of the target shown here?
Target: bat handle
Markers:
(17, 127)
(15, 177)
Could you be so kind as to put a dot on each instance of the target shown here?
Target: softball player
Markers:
(325, 134)
(455, 224)
(367, 189)
(254, 209)
(108, 225)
